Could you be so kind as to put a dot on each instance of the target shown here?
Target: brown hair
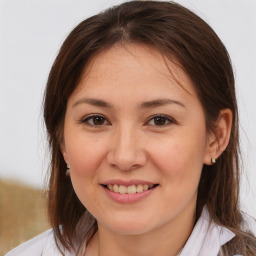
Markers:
(175, 32)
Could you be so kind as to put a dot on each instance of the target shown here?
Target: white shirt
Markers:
(205, 240)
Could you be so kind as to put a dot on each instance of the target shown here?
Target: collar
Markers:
(207, 237)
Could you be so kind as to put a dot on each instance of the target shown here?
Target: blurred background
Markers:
(31, 33)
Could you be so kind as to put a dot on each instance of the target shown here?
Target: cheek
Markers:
(85, 159)
(85, 155)
(180, 159)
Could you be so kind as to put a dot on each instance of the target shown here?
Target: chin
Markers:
(130, 226)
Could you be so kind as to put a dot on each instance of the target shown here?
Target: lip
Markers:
(127, 183)
(128, 198)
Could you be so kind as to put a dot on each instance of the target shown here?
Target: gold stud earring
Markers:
(213, 160)
(68, 170)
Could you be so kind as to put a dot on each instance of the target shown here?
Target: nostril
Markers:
(126, 158)
(125, 167)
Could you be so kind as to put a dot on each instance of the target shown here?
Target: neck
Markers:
(166, 240)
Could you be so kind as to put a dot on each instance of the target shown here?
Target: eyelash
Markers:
(166, 118)
(86, 120)
(91, 117)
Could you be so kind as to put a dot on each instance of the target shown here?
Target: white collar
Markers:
(207, 237)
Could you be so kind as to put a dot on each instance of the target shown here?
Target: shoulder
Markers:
(41, 245)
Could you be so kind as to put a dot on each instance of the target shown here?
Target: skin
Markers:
(129, 144)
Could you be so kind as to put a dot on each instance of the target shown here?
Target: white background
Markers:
(31, 33)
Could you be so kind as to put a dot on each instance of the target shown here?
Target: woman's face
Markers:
(131, 125)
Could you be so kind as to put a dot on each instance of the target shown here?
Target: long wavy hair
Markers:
(177, 33)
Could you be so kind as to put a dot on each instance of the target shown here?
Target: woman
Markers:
(141, 115)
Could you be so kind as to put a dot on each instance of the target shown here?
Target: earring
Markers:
(68, 170)
(213, 160)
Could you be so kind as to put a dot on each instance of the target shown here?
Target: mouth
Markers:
(132, 189)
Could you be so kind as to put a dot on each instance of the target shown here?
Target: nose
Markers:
(126, 151)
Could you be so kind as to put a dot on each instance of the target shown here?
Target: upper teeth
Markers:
(129, 189)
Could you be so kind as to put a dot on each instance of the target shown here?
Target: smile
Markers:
(132, 189)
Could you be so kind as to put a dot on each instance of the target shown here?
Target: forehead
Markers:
(134, 67)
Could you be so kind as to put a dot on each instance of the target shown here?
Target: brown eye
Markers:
(98, 120)
(95, 120)
(160, 121)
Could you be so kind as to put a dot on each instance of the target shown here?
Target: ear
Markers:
(218, 139)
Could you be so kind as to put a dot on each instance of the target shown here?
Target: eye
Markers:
(95, 120)
(160, 120)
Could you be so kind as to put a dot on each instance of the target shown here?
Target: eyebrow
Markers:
(94, 102)
(143, 105)
(160, 102)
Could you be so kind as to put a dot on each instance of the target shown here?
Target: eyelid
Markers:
(168, 118)
(85, 119)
